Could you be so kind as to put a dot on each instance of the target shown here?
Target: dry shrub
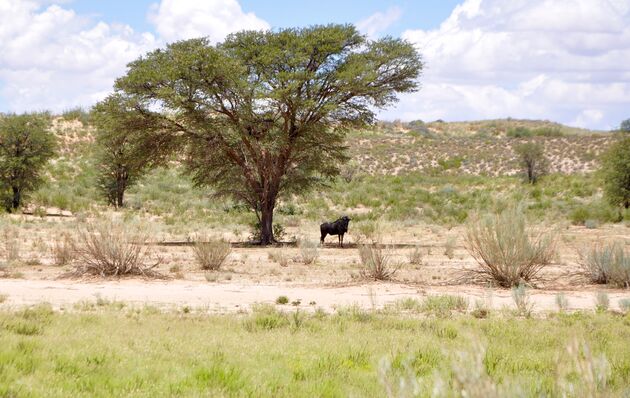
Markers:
(11, 237)
(211, 254)
(376, 262)
(309, 251)
(108, 248)
(64, 249)
(279, 256)
(607, 264)
(507, 250)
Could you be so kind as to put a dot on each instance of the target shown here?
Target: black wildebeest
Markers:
(338, 227)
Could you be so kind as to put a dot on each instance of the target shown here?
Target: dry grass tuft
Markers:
(108, 248)
(64, 249)
(508, 251)
(607, 264)
(211, 254)
(376, 262)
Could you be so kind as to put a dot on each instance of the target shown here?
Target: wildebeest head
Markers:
(345, 220)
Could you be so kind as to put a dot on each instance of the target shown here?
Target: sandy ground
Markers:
(253, 275)
(235, 297)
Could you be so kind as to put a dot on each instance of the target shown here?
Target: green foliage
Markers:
(625, 126)
(264, 114)
(616, 171)
(77, 113)
(120, 164)
(25, 147)
(533, 161)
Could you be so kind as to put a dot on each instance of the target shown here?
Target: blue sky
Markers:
(560, 60)
(426, 14)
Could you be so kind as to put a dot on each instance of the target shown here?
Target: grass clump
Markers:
(64, 249)
(507, 250)
(415, 256)
(602, 302)
(444, 305)
(376, 262)
(108, 248)
(522, 300)
(607, 264)
(211, 254)
(282, 300)
(562, 302)
(279, 256)
(309, 251)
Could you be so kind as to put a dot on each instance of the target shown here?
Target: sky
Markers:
(559, 60)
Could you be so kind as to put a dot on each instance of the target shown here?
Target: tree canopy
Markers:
(25, 147)
(264, 113)
(616, 170)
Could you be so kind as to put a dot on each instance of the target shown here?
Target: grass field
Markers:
(106, 349)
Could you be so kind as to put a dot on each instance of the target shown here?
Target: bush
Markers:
(211, 254)
(533, 161)
(616, 171)
(507, 250)
(376, 262)
(109, 248)
(607, 264)
(64, 249)
(309, 251)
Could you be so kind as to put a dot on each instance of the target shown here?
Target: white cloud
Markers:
(185, 19)
(54, 59)
(379, 22)
(563, 60)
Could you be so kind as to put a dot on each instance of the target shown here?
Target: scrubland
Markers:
(208, 313)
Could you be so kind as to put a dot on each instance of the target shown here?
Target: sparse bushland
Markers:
(607, 264)
(210, 254)
(377, 262)
(508, 251)
(113, 248)
(25, 147)
(322, 354)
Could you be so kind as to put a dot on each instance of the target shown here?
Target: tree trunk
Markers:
(17, 198)
(120, 193)
(266, 225)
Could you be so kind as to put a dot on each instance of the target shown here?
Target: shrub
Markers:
(211, 254)
(109, 248)
(282, 300)
(616, 171)
(64, 249)
(607, 264)
(624, 305)
(562, 302)
(521, 297)
(415, 256)
(309, 251)
(11, 237)
(533, 161)
(602, 302)
(444, 305)
(507, 250)
(279, 256)
(376, 262)
(449, 247)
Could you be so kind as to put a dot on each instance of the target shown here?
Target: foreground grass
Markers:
(115, 351)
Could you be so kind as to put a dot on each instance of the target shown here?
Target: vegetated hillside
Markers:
(411, 174)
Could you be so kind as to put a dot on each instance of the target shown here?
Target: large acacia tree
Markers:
(264, 113)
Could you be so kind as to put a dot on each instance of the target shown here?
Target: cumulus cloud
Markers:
(185, 19)
(54, 59)
(563, 60)
(379, 22)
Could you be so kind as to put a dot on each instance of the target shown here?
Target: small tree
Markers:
(25, 147)
(533, 161)
(264, 114)
(119, 164)
(616, 171)
(625, 126)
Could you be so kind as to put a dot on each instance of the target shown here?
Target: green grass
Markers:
(113, 351)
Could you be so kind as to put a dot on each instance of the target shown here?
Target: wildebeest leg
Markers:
(322, 238)
(341, 240)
